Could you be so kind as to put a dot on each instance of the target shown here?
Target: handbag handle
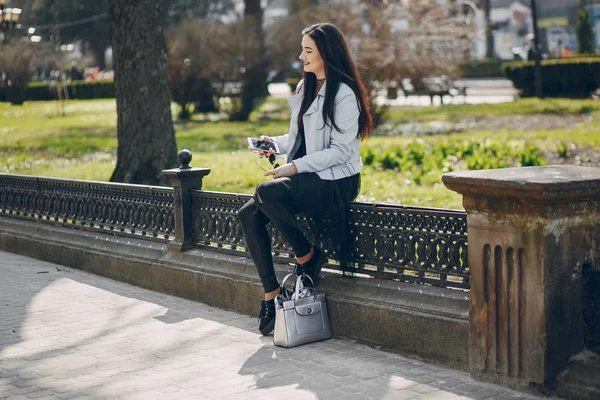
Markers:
(286, 278)
(300, 286)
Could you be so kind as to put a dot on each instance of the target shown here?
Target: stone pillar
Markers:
(530, 232)
(183, 179)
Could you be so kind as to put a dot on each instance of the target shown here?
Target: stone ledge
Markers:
(419, 321)
(549, 183)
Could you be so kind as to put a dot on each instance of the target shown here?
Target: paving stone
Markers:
(453, 381)
(485, 394)
(82, 336)
(424, 389)
(403, 395)
(342, 372)
(400, 383)
(39, 393)
(509, 396)
(374, 392)
(355, 396)
(348, 381)
(468, 387)
(23, 390)
(425, 379)
(324, 384)
(414, 373)
(333, 394)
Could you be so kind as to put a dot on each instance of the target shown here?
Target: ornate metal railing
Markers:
(409, 244)
(128, 210)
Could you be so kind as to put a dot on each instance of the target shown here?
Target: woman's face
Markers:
(311, 58)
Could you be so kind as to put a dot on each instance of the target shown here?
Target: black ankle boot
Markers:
(266, 318)
(313, 266)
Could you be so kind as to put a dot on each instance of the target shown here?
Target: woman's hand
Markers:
(288, 169)
(261, 153)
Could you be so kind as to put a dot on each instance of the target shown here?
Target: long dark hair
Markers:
(339, 67)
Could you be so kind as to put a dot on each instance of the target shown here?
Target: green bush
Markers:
(488, 68)
(39, 91)
(531, 157)
(92, 90)
(417, 159)
(573, 78)
(562, 149)
(482, 161)
(77, 90)
(389, 160)
(367, 155)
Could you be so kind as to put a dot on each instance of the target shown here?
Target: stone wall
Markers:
(415, 320)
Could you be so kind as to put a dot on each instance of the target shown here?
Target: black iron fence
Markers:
(409, 244)
(127, 210)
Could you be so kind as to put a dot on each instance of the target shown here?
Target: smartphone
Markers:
(256, 145)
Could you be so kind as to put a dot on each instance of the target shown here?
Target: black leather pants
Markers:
(277, 201)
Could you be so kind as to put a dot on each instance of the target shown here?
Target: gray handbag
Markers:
(301, 317)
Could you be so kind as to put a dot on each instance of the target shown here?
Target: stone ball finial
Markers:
(185, 156)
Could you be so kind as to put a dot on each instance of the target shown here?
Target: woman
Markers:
(330, 114)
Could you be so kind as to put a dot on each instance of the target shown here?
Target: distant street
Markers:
(478, 91)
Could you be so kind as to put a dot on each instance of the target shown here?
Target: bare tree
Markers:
(16, 61)
(146, 137)
(391, 41)
(436, 40)
(191, 66)
(207, 58)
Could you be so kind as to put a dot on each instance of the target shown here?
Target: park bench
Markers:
(228, 89)
(431, 86)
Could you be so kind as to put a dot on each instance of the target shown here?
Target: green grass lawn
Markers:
(36, 140)
(523, 106)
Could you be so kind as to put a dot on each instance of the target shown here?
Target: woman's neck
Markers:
(319, 85)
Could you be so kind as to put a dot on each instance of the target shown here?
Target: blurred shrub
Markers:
(562, 150)
(573, 78)
(91, 90)
(488, 68)
(531, 157)
(77, 90)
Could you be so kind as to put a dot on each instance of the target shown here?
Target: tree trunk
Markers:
(489, 39)
(144, 123)
(255, 80)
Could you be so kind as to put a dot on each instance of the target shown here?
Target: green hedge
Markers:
(77, 90)
(488, 68)
(574, 78)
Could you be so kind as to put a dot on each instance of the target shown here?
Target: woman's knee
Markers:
(269, 191)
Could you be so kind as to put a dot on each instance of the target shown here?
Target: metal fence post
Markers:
(183, 179)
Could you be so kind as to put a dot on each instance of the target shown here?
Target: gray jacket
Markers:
(332, 154)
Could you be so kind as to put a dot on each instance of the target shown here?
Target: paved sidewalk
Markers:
(68, 334)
